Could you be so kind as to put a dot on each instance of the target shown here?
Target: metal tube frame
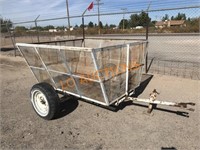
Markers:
(84, 97)
(37, 68)
(56, 47)
(73, 75)
(27, 63)
(44, 65)
(67, 67)
(127, 67)
(101, 82)
(94, 58)
(142, 68)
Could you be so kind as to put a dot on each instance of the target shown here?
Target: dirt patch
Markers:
(10, 62)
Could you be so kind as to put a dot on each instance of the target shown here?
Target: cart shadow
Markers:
(3, 49)
(168, 148)
(146, 78)
(151, 61)
(68, 105)
(130, 103)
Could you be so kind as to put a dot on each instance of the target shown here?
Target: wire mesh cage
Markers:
(103, 73)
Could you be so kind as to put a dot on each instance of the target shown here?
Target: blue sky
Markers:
(26, 10)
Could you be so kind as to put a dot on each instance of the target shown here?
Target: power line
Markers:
(156, 4)
(106, 12)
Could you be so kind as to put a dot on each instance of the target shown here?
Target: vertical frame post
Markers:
(70, 72)
(127, 67)
(147, 36)
(101, 82)
(146, 63)
(44, 65)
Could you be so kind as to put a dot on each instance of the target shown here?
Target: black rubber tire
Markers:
(51, 97)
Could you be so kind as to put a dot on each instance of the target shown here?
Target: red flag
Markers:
(90, 6)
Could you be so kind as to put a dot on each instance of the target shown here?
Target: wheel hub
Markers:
(40, 103)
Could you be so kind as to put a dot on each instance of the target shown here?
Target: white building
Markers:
(53, 30)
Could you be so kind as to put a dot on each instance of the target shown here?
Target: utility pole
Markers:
(98, 4)
(67, 5)
(124, 10)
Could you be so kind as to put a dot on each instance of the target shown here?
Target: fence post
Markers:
(147, 36)
(83, 27)
(38, 38)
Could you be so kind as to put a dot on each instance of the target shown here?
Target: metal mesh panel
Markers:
(115, 87)
(134, 79)
(31, 56)
(78, 86)
(90, 89)
(136, 61)
(79, 62)
(115, 55)
(52, 59)
(111, 62)
(64, 82)
(41, 75)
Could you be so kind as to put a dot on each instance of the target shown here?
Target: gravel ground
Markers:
(85, 126)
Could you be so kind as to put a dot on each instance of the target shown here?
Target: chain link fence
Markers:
(173, 35)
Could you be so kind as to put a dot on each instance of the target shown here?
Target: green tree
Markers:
(112, 25)
(49, 27)
(81, 26)
(152, 23)
(101, 25)
(3, 24)
(180, 16)
(134, 20)
(60, 28)
(124, 22)
(76, 26)
(144, 19)
(141, 19)
(38, 27)
(90, 24)
(166, 17)
(20, 29)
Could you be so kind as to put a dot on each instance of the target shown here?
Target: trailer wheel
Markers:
(45, 100)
